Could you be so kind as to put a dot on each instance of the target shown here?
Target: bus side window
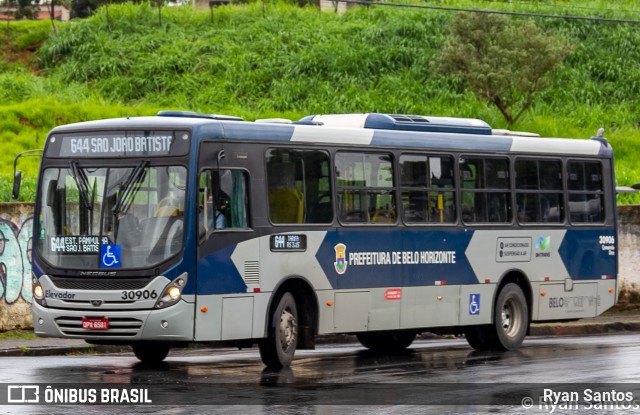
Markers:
(468, 178)
(486, 193)
(539, 191)
(286, 202)
(298, 186)
(428, 193)
(365, 187)
(222, 200)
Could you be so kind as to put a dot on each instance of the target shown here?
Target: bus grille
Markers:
(118, 327)
(100, 285)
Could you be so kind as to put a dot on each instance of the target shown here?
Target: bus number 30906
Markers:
(139, 295)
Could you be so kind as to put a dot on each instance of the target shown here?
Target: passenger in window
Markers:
(219, 214)
(215, 215)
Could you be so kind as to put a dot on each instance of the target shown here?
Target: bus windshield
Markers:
(111, 217)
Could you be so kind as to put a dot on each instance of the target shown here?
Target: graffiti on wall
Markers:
(15, 261)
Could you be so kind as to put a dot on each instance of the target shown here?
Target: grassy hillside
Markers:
(286, 61)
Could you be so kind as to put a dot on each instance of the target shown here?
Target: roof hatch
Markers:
(401, 122)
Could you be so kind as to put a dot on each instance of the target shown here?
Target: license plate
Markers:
(95, 323)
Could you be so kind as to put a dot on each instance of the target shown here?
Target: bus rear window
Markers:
(586, 195)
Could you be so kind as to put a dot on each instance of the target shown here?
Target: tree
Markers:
(84, 8)
(502, 60)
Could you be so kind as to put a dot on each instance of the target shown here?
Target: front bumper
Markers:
(174, 323)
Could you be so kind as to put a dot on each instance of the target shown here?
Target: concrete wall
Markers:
(16, 224)
(334, 6)
(629, 252)
(61, 13)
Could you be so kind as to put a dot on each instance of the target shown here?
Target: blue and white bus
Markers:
(182, 227)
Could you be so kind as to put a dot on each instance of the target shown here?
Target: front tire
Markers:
(510, 323)
(278, 348)
(151, 353)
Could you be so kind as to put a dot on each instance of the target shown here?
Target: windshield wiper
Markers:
(126, 197)
(83, 184)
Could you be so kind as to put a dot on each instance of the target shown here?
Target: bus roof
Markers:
(384, 130)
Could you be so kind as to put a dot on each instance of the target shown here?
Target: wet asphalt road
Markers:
(434, 376)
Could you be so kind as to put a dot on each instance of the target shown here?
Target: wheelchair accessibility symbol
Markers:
(474, 304)
(109, 256)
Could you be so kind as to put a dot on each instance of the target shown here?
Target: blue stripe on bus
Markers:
(409, 258)
(605, 151)
(392, 258)
(217, 274)
(250, 131)
(586, 255)
(427, 124)
(441, 141)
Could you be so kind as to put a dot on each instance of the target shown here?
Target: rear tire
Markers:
(278, 348)
(511, 317)
(386, 342)
(151, 353)
(476, 337)
(510, 323)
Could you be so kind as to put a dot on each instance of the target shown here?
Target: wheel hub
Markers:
(510, 318)
(288, 329)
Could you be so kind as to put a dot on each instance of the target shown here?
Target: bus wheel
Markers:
(510, 323)
(511, 318)
(151, 352)
(386, 342)
(278, 348)
(476, 337)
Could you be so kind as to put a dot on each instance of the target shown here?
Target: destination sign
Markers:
(79, 245)
(119, 144)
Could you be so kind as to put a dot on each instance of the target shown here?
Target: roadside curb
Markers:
(61, 350)
(541, 329)
(582, 328)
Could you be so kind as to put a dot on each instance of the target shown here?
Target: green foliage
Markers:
(24, 126)
(18, 86)
(34, 37)
(277, 60)
(18, 334)
(27, 188)
(18, 41)
(503, 61)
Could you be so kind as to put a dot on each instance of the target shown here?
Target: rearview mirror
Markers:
(17, 179)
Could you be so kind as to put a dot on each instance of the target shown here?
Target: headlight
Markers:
(38, 292)
(172, 293)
